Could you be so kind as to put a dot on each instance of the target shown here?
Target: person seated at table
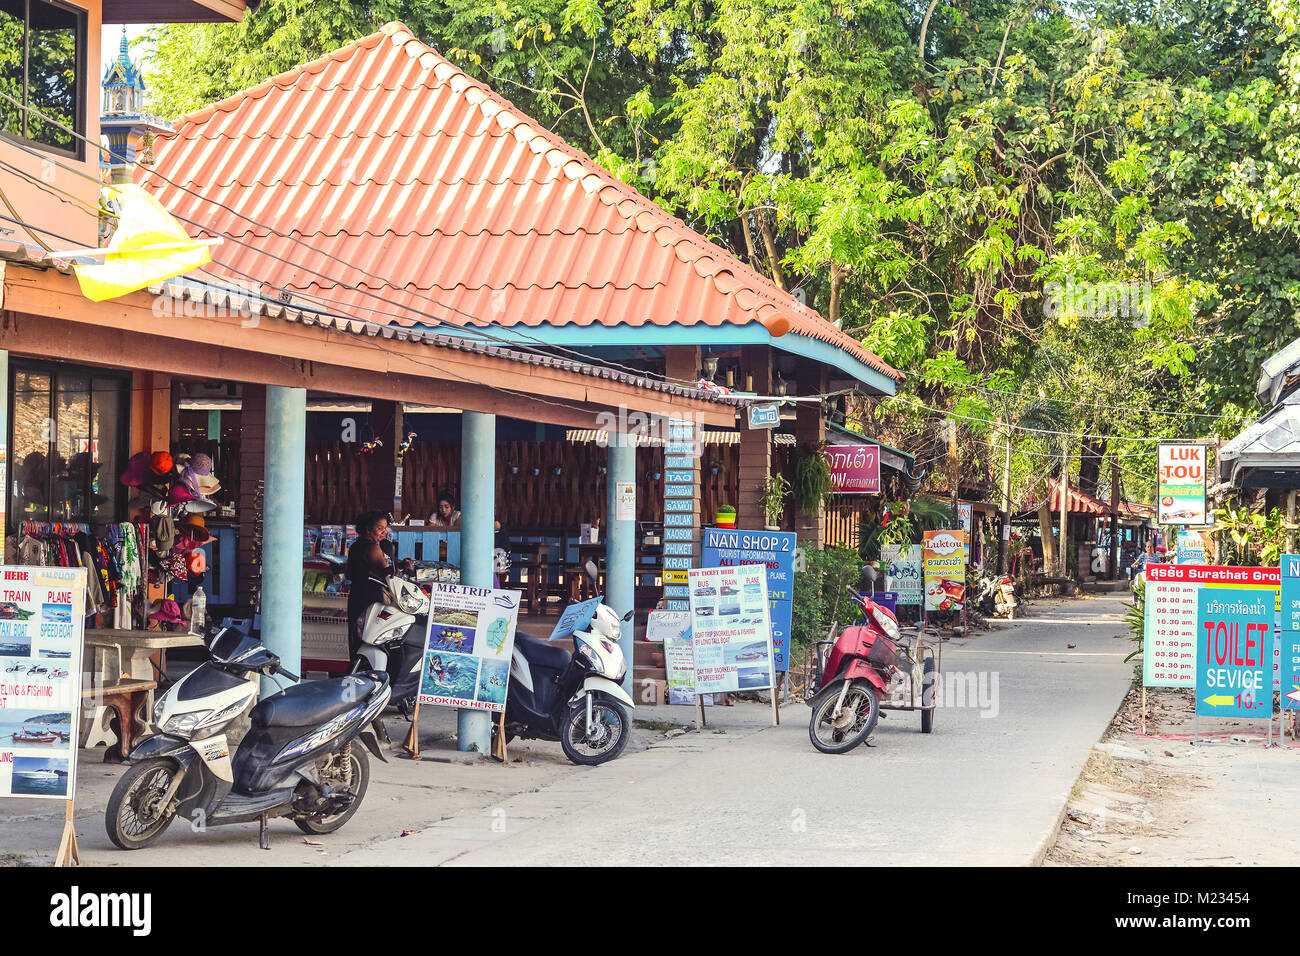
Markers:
(447, 516)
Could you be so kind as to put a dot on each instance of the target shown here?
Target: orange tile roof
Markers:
(411, 180)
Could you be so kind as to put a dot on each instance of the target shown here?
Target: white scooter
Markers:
(577, 699)
(393, 633)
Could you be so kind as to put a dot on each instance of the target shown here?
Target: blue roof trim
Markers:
(592, 336)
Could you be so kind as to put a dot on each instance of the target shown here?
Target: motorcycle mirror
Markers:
(593, 572)
(867, 577)
(628, 615)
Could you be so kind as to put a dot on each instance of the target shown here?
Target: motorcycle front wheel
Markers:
(609, 732)
(349, 770)
(833, 733)
(133, 818)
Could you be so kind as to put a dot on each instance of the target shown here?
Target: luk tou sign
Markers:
(1182, 484)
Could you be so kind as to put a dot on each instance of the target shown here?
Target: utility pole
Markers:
(1065, 503)
(1114, 517)
(1004, 536)
(953, 470)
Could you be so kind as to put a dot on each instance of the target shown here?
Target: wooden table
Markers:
(124, 698)
(138, 647)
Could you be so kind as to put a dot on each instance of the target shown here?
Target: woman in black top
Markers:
(366, 558)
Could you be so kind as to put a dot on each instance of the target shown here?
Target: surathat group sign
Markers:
(1182, 475)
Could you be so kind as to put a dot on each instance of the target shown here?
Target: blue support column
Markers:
(620, 541)
(282, 520)
(478, 470)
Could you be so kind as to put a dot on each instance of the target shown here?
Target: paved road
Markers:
(982, 789)
(987, 787)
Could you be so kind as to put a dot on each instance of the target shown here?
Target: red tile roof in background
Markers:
(416, 182)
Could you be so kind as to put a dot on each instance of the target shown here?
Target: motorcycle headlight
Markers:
(159, 706)
(182, 725)
(410, 600)
(590, 657)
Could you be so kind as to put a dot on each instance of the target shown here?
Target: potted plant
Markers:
(725, 517)
(772, 492)
(812, 480)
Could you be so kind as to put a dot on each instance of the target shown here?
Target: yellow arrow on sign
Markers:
(674, 576)
(1218, 700)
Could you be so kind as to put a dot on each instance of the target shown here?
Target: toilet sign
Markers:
(1234, 653)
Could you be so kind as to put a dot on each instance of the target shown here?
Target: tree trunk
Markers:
(769, 245)
(1045, 530)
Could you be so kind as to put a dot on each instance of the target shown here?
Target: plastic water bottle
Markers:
(198, 611)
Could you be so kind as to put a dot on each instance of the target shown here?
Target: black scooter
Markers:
(297, 758)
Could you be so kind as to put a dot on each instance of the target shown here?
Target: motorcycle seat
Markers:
(541, 653)
(304, 705)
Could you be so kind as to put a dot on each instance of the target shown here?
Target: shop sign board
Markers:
(764, 416)
(1191, 548)
(468, 646)
(943, 557)
(1234, 641)
(855, 469)
(904, 571)
(575, 617)
(42, 621)
(1289, 661)
(1171, 615)
(731, 629)
(1181, 484)
(775, 551)
(679, 657)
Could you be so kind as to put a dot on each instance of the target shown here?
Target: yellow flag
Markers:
(148, 246)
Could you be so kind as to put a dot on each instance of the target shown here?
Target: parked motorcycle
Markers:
(860, 668)
(575, 698)
(998, 596)
(393, 633)
(297, 759)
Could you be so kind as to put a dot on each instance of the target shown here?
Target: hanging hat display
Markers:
(195, 527)
(138, 470)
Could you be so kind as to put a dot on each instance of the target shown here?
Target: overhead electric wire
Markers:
(1026, 428)
(334, 281)
(1066, 401)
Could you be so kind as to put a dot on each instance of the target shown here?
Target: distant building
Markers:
(125, 127)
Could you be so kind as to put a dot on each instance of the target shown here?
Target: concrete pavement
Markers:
(988, 787)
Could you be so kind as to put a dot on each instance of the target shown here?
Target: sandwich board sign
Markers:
(1171, 621)
(1233, 653)
(42, 623)
(468, 646)
(731, 629)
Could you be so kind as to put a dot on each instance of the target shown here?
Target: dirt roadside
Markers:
(1158, 800)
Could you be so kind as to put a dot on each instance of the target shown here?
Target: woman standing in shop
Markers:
(366, 561)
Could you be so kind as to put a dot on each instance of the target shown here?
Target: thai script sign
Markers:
(1172, 615)
(855, 469)
(1233, 650)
